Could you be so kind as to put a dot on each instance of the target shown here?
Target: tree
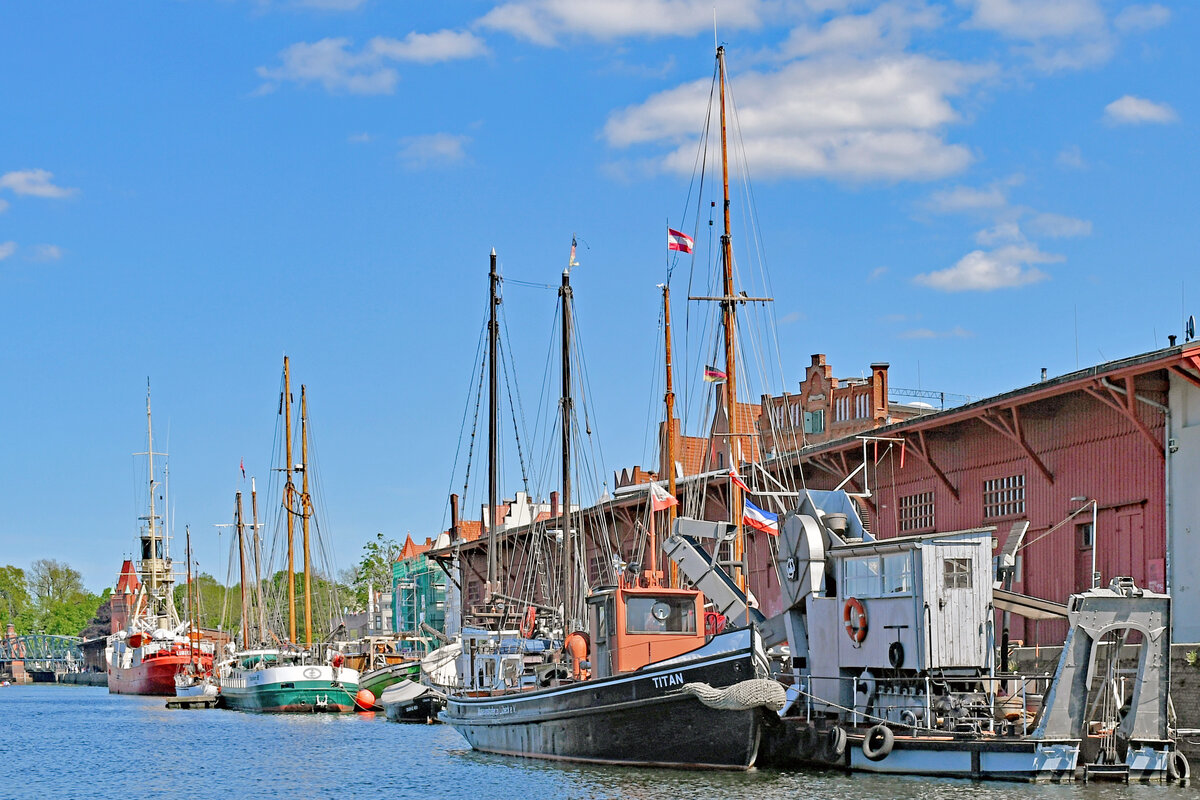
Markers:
(71, 616)
(14, 597)
(53, 581)
(375, 568)
(214, 602)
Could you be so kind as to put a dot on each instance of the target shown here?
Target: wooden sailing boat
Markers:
(290, 678)
(631, 695)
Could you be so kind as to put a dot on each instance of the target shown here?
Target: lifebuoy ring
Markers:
(878, 742)
(855, 617)
(527, 624)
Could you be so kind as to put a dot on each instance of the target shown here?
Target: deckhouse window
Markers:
(956, 573)
(650, 614)
(877, 576)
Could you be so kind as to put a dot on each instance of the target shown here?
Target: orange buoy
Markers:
(364, 699)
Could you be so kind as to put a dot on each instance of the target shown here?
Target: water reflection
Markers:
(83, 742)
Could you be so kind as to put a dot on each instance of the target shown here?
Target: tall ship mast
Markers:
(293, 675)
(149, 645)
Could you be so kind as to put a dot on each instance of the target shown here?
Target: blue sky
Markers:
(970, 190)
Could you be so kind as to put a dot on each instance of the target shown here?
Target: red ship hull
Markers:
(155, 676)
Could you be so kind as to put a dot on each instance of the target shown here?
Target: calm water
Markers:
(73, 742)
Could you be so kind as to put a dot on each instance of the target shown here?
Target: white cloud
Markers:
(3, 205)
(968, 199)
(544, 22)
(359, 138)
(433, 150)
(7, 249)
(35, 183)
(328, 63)
(1071, 157)
(885, 28)
(957, 332)
(1057, 35)
(1057, 226)
(430, 48)
(1036, 19)
(1130, 110)
(876, 274)
(881, 118)
(1002, 232)
(46, 252)
(1004, 268)
(332, 63)
(1136, 18)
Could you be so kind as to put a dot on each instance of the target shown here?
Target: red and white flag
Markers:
(660, 499)
(679, 241)
(736, 480)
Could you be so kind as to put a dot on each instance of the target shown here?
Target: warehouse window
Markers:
(916, 512)
(1004, 497)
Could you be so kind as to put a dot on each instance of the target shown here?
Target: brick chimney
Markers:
(879, 392)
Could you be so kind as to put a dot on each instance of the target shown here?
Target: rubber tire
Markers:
(881, 749)
(835, 743)
(1178, 768)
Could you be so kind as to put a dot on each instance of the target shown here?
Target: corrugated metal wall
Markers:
(1090, 449)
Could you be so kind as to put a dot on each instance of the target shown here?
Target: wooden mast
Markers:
(568, 572)
(242, 567)
(669, 399)
(289, 491)
(262, 613)
(193, 626)
(305, 515)
(729, 318)
(493, 521)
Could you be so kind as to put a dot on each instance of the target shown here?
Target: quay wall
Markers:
(84, 678)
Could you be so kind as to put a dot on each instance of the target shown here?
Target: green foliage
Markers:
(49, 599)
(374, 570)
(15, 602)
(210, 603)
(53, 582)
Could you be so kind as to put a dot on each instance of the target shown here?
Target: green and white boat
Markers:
(303, 674)
(286, 681)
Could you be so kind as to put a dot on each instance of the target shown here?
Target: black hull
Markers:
(636, 719)
(421, 710)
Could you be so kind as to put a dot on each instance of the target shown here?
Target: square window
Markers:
(1085, 534)
(956, 573)
(916, 512)
(1004, 497)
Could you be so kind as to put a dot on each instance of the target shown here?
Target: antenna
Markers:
(1189, 330)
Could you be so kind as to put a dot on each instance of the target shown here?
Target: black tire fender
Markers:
(877, 744)
(1178, 768)
(835, 742)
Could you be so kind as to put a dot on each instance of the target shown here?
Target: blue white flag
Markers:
(760, 520)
